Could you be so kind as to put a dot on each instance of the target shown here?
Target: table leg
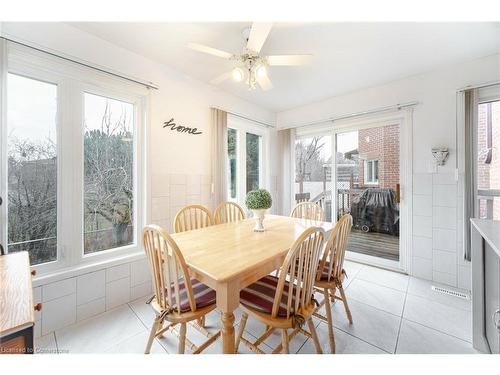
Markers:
(228, 332)
(228, 299)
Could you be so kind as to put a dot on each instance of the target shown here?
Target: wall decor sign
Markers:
(181, 129)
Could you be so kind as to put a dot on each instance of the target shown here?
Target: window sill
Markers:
(82, 269)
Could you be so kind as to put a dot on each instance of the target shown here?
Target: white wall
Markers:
(437, 196)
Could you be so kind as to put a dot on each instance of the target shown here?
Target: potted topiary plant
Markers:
(259, 201)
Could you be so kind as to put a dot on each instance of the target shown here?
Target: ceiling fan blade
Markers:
(258, 35)
(221, 78)
(210, 50)
(284, 60)
(264, 82)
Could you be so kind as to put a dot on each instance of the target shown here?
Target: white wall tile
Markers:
(160, 208)
(444, 239)
(58, 289)
(444, 217)
(160, 185)
(118, 272)
(90, 309)
(193, 185)
(422, 226)
(90, 286)
(422, 268)
(422, 183)
(422, 205)
(422, 247)
(58, 313)
(444, 195)
(193, 199)
(444, 278)
(139, 272)
(141, 290)
(177, 196)
(443, 179)
(178, 179)
(117, 293)
(444, 261)
(206, 179)
(464, 277)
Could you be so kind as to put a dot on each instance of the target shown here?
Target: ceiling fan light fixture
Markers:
(238, 74)
(261, 71)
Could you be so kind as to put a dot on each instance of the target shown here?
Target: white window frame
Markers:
(72, 82)
(242, 127)
(370, 164)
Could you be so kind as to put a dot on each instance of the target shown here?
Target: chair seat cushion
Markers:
(260, 296)
(203, 295)
(326, 269)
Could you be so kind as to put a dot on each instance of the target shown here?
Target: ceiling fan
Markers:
(252, 67)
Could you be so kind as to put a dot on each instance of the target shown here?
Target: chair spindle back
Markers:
(228, 212)
(168, 269)
(309, 211)
(192, 217)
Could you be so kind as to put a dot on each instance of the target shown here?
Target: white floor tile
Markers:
(136, 344)
(386, 278)
(441, 317)
(46, 344)
(344, 343)
(372, 325)
(381, 297)
(417, 339)
(96, 335)
(351, 269)
(422, 288)
(143, 311)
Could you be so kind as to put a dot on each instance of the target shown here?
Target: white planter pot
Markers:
(259, 216)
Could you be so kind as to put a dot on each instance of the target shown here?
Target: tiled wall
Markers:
(77, 298)
(437, 230)
(171, 192)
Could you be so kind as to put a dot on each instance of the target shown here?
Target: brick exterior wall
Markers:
(488, 175)
(380, 144)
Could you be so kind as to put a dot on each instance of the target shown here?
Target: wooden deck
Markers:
(375, 244)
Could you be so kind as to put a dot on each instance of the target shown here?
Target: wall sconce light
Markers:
(440, 155)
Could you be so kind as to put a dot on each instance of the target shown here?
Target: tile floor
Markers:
(393, 313)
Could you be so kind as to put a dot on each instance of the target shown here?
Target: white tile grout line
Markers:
(401, 319)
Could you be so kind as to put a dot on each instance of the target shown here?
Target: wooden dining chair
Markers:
(285, 302)
(228, 212)
(309, 211)
(178, 299)
(331, 273)
(192, 217)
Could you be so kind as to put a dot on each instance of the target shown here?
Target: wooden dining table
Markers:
(228, 257)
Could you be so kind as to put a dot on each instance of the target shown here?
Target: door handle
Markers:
(496, 319)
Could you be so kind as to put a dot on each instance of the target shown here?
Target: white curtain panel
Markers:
(469, 125)
(286, 144)
(219, 155)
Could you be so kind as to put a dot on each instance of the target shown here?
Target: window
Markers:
(108, 173)
(32, 168)
(246, 154)
(232, 140)
(73, 162)
(253, 161)
(313, 171)
(371, 172)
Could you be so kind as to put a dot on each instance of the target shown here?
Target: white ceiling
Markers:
(347, 56)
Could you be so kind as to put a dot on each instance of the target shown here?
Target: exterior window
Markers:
(232, 139)
(108, 173)
(371, 172)
(32, 168)
(246, 155)
(253, 147)
(72, 164)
